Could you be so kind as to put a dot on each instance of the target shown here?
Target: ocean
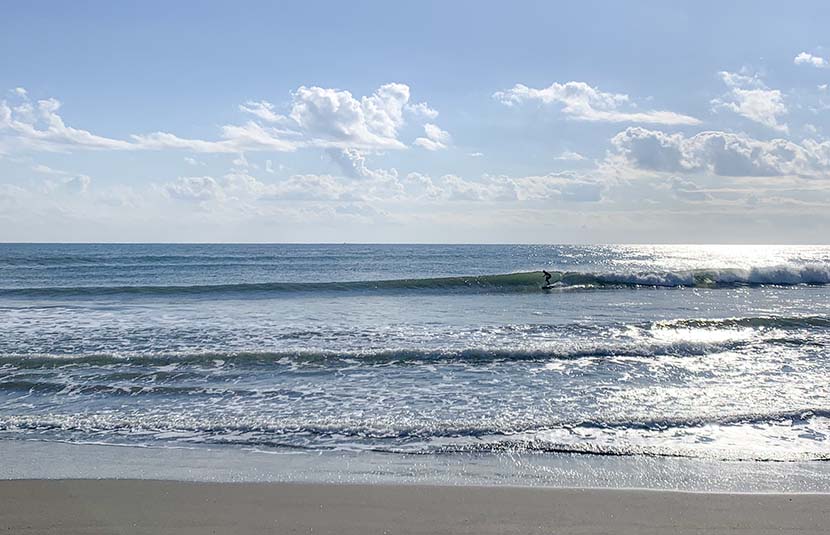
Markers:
(422, 354)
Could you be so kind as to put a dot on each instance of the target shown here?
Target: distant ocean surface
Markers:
(705, 352)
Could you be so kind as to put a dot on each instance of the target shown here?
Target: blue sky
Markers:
(427, 122)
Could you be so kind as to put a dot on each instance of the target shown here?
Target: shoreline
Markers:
(39, 459)
(160, 507)
(424, 486)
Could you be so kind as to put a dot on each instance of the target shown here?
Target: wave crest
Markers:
(531, 281)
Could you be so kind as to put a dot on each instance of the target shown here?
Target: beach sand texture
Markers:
(70, 507)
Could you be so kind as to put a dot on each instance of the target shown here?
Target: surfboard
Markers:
(548, 287)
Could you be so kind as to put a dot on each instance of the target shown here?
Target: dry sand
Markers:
(139, 506)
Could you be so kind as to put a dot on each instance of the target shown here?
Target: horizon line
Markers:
(573, 244)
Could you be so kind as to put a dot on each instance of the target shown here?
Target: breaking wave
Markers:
(817, 274)
(651, 438)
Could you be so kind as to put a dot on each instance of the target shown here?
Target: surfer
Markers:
(547, 277)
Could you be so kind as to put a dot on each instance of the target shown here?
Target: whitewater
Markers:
(715, 354)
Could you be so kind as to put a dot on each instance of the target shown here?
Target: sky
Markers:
(432, 122)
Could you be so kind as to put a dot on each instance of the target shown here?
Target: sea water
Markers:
(715, 354)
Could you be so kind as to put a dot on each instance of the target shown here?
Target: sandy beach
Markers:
(155, 507)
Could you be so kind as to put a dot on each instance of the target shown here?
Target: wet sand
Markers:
(157, 507)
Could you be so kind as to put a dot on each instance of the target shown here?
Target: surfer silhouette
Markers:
(547, 277)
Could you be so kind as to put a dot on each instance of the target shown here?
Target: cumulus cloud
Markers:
(749, 97)
(422, 109)
(194, 188)
(583, 102)
(335, 118)
(805, 58)
(436, 139)
(316, 117)
(721, 153)
(353, 164)
(421, 186)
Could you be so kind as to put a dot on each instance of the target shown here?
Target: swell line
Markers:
(532, 281)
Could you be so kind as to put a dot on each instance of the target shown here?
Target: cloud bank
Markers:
(722, 154)
(316, 117)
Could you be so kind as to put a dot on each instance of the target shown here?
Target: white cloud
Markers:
(335, 118)
(309, 188)
(262, 109)
(567, 186)
(239, 186)
(721, 153)
(63, 183)
(455, 188)
(239, 190)
(436, 139)
(749, 97)
(241, 162)
(422, 109)
(421, 186)
(353, 164)
(38, 126)
(78, 184)
(194, 188)
(254, 136)
(45, 169)
(317, 117)
(582, 102)
(569, 156)
(166, 140)
(805, 58)
(380, 185)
